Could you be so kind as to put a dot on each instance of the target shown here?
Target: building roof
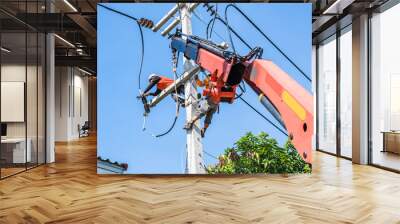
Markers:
(123, 166)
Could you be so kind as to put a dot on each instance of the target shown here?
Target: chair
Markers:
(84, 130)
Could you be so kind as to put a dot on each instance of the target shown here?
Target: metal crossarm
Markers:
(171, 88)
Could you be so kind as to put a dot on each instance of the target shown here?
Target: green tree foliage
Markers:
(259, 154)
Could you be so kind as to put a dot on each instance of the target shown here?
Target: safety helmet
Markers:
(152, 75)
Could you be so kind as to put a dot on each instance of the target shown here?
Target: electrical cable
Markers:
(205, 23)
(215, 15)
(140, 70)
(207, 28)
(175, 58)
(118, 12)
(234, 32)
(210, 155)
(225, 23)
(243, 88)
(173, 123)
(266, 37)
(141, 38)
(212, 21)
(229, 31)
(229, 28)
(265, 118)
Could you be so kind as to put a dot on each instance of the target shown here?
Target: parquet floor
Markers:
(70, 191)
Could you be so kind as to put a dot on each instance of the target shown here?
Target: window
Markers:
(327, 95)
(346, 92)
(385, 89)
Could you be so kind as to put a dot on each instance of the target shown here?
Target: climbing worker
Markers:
(205, 107)
(163, 82)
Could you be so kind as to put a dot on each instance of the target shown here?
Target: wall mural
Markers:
(204, 88)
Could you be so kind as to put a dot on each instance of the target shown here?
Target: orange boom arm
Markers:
(293, 103)
(284, 98)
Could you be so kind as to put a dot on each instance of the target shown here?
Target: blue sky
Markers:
(120, 135)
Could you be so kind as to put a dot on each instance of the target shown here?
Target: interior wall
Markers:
(92, 88)
(71, 102)
(62, 82)
(16, 72)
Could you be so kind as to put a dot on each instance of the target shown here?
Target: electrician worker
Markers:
(162, 82)
(205, 107)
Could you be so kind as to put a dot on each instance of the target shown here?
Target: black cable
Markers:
(210, 155)
(234, 32)
(266, 37)
(259, 113)
(118, 12)
(218, 17)
(141, 37)
(213, 21)
(208, 27)
(207, 24)
(243, 89)
(141, 65)
(175, 67)
(173, 123)
(229, 31)
(142, 55)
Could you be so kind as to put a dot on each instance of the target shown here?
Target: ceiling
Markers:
(76, 22)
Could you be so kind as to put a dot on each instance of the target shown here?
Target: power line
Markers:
(210, 155)
(141, 39)
(118, 12)
(206, 24)
(141, 65)
(266, 37)
(213, 21)
(229, 28)
(234, 32)
(265, 118)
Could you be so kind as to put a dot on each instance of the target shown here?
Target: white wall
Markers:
(33, 127)
(16, 72)
(71, 102)
(62, 83)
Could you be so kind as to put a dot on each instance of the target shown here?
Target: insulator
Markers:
(210, 9)
(146, 23)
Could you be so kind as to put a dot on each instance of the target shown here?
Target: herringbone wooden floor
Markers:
(70, 191)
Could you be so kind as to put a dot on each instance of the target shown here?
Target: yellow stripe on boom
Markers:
(294, 105)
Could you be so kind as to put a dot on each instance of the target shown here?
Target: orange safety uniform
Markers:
(164, 82)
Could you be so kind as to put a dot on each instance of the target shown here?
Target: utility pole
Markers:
(194, 146)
